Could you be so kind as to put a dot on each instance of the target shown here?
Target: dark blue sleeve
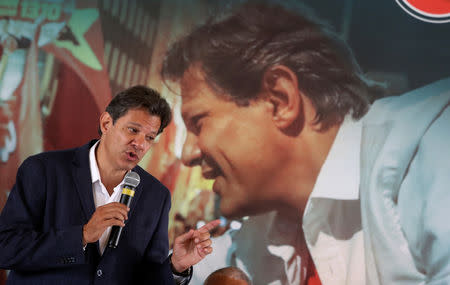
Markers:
(23, 243)
(156, 256)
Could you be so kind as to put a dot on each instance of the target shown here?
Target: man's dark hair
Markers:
(230, 271)
(235, 51)
(140, 97)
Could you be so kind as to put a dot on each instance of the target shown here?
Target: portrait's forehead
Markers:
(193, 80)
(195, 90)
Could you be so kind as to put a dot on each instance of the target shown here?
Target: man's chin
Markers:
(130, 165)
(232, 212)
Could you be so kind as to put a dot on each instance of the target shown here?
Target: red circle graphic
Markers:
(436, 7)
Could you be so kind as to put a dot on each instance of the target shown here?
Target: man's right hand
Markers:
(112, 214)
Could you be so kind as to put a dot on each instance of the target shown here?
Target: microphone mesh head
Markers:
(132, 179)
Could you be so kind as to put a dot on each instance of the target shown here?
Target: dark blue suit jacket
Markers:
(41, 227)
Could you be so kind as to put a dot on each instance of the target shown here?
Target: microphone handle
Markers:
(125, 199)
(116, 231)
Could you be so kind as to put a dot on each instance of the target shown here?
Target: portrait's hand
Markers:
(112, 214)
(191, 247)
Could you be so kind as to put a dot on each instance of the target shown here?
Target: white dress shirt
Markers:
(332, 217)
(331, 220)
(101, 195)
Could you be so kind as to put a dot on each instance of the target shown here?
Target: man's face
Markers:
(232, 144)
(129, 138)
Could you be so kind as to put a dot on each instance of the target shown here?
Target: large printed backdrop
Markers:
(61, 61)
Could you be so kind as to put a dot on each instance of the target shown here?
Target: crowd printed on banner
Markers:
(31, 9)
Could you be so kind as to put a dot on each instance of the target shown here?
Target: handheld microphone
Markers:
(132, 180)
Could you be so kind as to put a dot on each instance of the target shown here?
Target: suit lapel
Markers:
(82, 179)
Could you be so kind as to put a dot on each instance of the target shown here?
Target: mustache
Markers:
(134, 150)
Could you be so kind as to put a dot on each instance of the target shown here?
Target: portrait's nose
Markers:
(192, 154)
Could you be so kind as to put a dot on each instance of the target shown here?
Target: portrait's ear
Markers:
(106, 122)
(280, 87)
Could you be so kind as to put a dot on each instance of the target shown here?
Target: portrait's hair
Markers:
(231, 272)
(140, 97)
(235, 51)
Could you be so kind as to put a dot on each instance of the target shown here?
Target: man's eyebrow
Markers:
(153, 133)
(185, 114)
(135, 124)
(195, 115)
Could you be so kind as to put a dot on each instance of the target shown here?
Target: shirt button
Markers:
(99, 273)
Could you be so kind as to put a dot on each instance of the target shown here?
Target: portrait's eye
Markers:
(197, 123)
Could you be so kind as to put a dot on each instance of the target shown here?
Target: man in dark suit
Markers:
(55, 225)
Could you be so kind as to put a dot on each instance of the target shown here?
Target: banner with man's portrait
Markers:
(61, 61)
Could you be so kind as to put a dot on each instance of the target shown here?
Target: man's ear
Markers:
(281, 90)
(106, 122)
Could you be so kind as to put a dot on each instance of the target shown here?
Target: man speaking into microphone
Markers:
(55, 226)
